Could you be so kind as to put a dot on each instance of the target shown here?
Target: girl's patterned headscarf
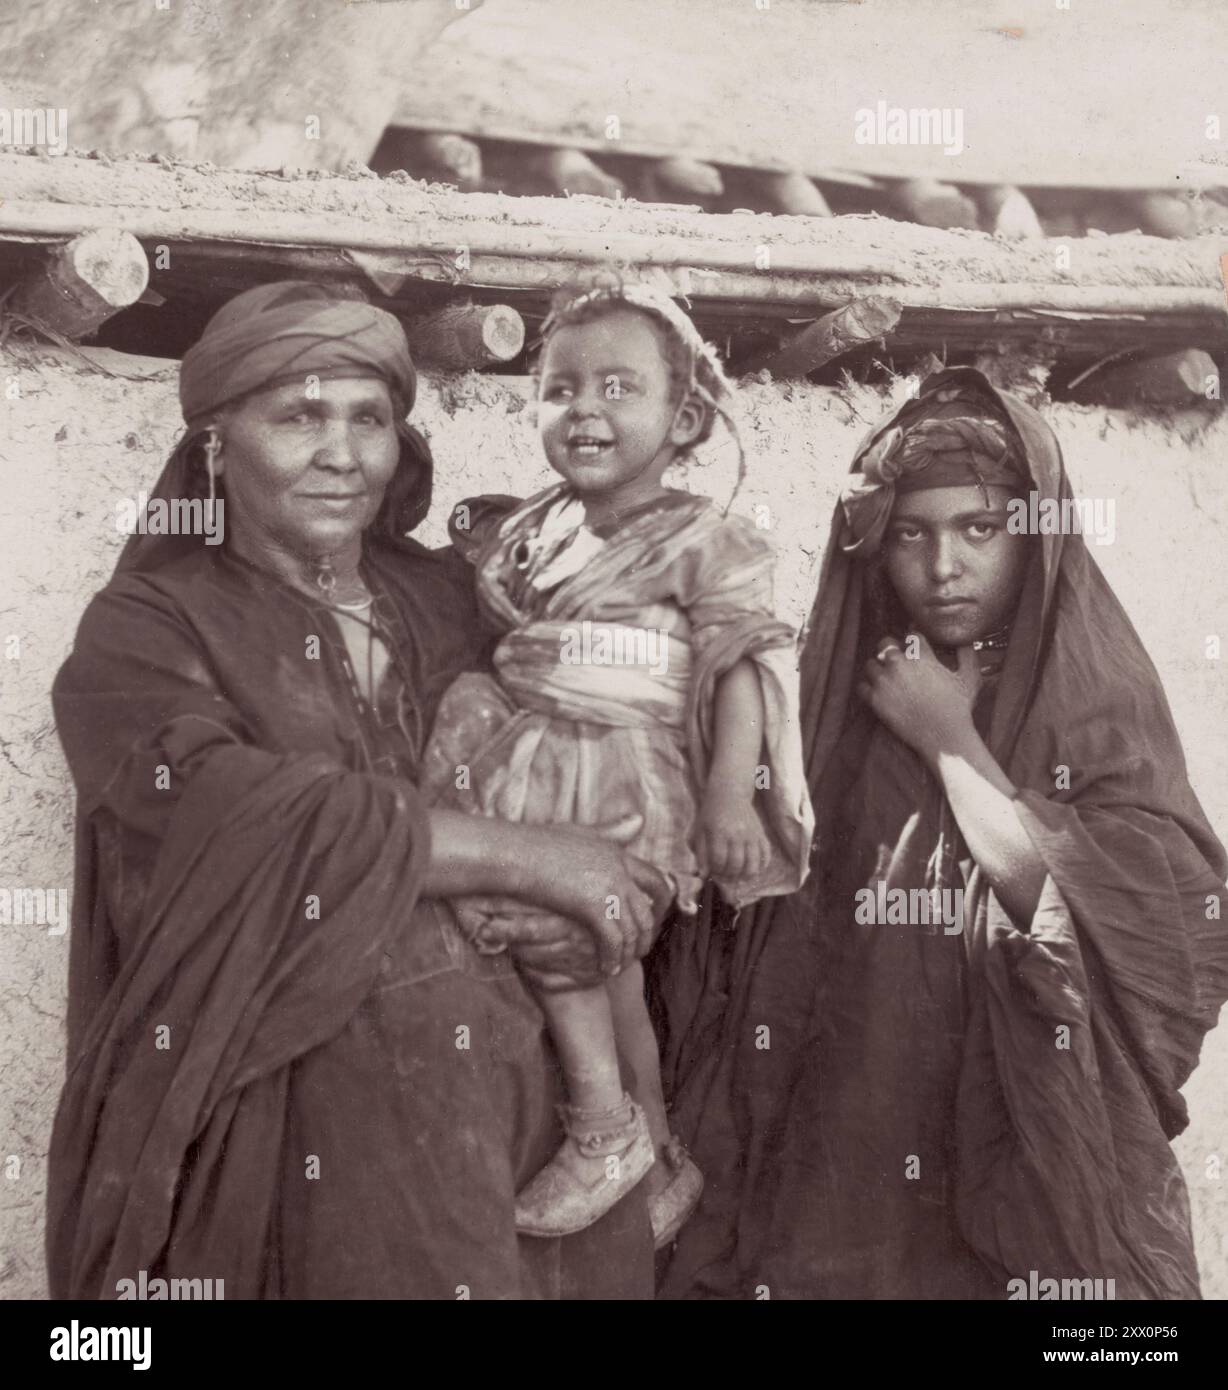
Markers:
(704, 377)
(950, 437)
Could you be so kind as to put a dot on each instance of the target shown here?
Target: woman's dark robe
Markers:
(892, 1111)
(286, 1070)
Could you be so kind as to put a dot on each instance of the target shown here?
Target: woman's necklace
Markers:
(326, 581)
(365, 646)
(351, 608)
(357, 607)
(388, 642)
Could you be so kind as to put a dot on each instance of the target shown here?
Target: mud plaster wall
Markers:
(73, 442)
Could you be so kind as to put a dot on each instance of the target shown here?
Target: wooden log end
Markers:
(851, 326)
(693, 178)
(503, 332)
(572, 171)
(455, 156)
(792, 194)
(872, 316)
(1008, 212)
(934, 204)
(1164, 214)
(467, 337)
(85, 282)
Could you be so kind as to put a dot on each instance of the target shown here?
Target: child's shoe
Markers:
(671, 1207)
(576, 1187)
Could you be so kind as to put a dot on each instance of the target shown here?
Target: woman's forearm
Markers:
(584, 874)
(473, 854)
(982, 800)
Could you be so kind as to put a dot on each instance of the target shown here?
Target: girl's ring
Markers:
(886, 651)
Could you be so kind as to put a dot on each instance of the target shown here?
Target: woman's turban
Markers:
(285, 332)
(951, 438)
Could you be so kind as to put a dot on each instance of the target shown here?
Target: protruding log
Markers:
(572, 171)
(665, 180)
(1184, 378)
(1165, 214)
(1008, 212)
(934, 204)
(827, 338)
(442, 158)
(456, 154)
(791, 193)
(84, 283)
(465, 337)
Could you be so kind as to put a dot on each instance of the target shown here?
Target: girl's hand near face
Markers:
(930, 708)
(919, 700)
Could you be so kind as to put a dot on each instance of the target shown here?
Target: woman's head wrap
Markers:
(952, 436)
(285, 332)
(267, 337)
(703, 375)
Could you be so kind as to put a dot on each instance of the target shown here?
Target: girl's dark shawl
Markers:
(1061, 1161)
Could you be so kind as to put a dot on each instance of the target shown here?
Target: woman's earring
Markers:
(213, 446)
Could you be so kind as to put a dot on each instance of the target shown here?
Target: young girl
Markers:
(641, 675)
(959, 1100)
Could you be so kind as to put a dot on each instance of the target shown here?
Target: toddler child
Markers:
(641, 674)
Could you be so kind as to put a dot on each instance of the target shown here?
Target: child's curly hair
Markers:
(693, 365)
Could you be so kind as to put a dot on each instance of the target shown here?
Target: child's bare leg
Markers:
(673, 1184)
(582, 1027)
(608, 1148)
(637, 1043)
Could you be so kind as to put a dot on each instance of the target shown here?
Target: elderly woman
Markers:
(973, 1093)
(289, 1070)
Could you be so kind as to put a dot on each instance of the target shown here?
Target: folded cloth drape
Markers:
(173, 1119)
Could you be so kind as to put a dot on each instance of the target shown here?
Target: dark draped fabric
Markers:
(286, 1069)
(895, 1112)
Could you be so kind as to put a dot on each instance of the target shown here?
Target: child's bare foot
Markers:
(606, 1153)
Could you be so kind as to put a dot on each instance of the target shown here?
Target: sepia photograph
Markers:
(614, 658)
